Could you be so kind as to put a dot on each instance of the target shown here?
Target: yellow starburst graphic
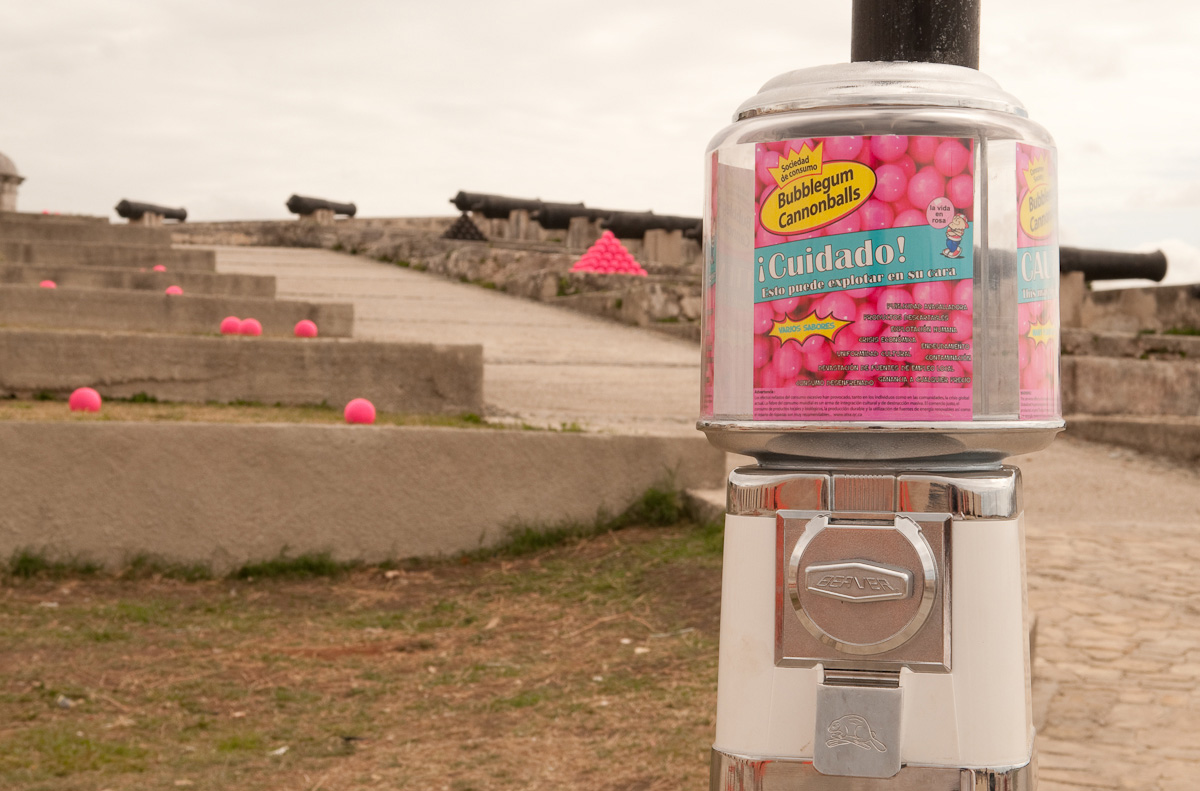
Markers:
(805, 328)
(1038, 172)
(797, 164)
(1042, 333)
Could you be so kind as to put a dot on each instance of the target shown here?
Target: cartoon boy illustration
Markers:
(954, 235)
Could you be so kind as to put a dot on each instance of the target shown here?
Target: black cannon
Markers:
(494, 207)
(628, 224)
(132, 210)
(1109, 265)
(557, 216)
(298, 204)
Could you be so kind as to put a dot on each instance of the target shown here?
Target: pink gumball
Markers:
(174, 290)
(305, 329)
(951, 158)
(762, 350)
(360, 410)
(925, 186)
(922, 149)
(782, 307)
(863, 326)
(838, 305)
(838, 148)
(908, 165)
(85, 399)
(764, 318)
(963, 294)
(769, 159)
(817, 352)
(889, 147)
(866, 157)
(891, 183)
(48, 284)
(231, 325)
(936, 292)
(851, 223)
(961, 190)
(894, 295)
(250, 327)
(787, 362)
(876, 215)
(159, 268)
(907, 219)
(767, 377)
(963, 324)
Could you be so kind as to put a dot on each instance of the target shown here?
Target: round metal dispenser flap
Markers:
(862, 588)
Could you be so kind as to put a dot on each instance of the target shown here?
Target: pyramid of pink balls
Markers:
(608, 256)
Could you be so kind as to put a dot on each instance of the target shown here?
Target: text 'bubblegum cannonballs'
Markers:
(305, 329)
(48, 284)
(174, 290)
(84, 399)
(360, 410)
(231, 325)
(250, 327)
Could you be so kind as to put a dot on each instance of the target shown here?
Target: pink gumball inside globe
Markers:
(159, 268)
(85, 399)
(48, 284)
(231, 325)
(305, 329)
(360, 410)
(174, 290)
(250, 327)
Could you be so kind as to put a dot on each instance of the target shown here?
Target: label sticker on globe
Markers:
(863, 262)
(1037, 283)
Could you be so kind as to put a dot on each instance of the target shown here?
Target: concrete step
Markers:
(1146, 345)
(262, 286)
(226, 494)
(1129, 386)
(1171, 436)
(396, 377)
(25, 230)
(107, 255)
(146, 311)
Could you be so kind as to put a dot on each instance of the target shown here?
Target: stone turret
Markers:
(9, 181)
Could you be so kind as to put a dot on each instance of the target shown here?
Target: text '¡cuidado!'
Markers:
(868, 253)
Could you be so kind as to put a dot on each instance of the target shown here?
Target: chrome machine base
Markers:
(739, 773)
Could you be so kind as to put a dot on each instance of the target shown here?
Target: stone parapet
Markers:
(144, 311)
(396, 377)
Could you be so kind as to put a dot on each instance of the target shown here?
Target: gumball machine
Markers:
(880, 333)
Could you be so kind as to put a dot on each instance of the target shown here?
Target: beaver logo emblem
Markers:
(853, 729)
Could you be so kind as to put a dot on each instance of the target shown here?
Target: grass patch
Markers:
(310, 565)
(1182, 331)
(30, 564)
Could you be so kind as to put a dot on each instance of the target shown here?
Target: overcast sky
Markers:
(227, 106)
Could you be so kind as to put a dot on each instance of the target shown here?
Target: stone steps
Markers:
(15, 251)
(260, 286)
(145, 311)
(47, 230)
(1172, 436)
(396, 377)
(227, 494)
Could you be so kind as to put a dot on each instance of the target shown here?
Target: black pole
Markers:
(924, 31)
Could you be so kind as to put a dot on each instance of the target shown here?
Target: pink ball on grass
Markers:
(305, 329)
(48, 284)
(174, 290)
(250, 327)
(84, 399)
(360, 410)
(159, 268)
(231, 325)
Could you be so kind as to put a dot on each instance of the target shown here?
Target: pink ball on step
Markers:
(305, 329)
(231, 325)
(174, 290)
(48, 284)
(85, 399)
(250, 327)
(159, 268)
(360, 410)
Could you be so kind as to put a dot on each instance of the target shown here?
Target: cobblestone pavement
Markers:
(1113, 537)
(1113, 552)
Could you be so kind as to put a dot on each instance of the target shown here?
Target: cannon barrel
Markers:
(132, 210)
(1110, 265)
(557, 216)
(299, 204)
(630, 224)
(494, 207)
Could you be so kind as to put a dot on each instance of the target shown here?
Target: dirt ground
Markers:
(587, 666)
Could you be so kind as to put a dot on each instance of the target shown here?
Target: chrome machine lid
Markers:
(880, 83)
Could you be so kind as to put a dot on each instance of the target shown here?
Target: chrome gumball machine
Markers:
(880, 334)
